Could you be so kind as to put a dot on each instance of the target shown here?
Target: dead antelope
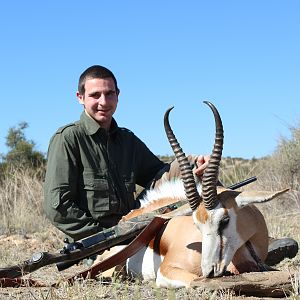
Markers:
(224, 232)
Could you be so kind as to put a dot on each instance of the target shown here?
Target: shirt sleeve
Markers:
(172, 171)
(148, 164)
(60, 190)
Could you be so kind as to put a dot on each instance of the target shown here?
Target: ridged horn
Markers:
(186, 171)
(210, 176)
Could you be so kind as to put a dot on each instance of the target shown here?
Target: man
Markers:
(94, 165)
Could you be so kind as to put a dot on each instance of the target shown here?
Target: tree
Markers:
(22, 152)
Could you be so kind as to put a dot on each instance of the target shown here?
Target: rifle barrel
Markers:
(242, 183)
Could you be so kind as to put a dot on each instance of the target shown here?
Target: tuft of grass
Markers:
(295, 292)
(21, 202)
(233, 170)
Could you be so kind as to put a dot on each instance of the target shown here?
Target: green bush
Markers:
(21, 150)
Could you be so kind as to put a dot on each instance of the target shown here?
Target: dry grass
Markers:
(20, 202)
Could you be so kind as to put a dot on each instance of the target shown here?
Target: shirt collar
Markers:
(92, 126)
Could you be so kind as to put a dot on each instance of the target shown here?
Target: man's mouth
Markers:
(103, 110)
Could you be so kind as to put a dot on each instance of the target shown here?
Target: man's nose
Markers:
(102, 99)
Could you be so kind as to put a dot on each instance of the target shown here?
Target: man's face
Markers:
(100, 100)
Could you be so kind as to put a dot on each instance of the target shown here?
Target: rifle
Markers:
(72, 253)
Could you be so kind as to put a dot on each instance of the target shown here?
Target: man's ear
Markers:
(80, 98)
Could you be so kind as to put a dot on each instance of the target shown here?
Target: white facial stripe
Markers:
(219, 244)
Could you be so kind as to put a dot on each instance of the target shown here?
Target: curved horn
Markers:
(187, 176)
(210, 176)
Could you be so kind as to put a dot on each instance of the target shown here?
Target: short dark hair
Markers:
(95, 71)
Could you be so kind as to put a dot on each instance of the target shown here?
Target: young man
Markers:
(93, 165)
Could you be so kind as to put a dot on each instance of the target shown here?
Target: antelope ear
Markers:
(251, 196)
(227, 194)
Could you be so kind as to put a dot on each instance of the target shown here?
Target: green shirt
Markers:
(91, 176)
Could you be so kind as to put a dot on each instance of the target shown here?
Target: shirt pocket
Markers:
(97, 193)
(56, 197)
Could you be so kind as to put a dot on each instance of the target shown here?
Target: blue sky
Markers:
(241, 55)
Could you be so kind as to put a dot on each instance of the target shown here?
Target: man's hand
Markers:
(201, 162)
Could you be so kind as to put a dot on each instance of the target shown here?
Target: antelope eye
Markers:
(223, 223)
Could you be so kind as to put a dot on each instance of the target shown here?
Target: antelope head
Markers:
(214, 213)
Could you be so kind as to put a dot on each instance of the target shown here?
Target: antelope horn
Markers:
(186, 172)
(210, 176)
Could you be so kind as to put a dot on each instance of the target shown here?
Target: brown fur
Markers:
(201, 214)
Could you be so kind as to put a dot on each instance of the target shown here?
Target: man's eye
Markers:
(95, 95)
(111, 93)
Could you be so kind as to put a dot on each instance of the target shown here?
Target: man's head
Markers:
(98, 93)
(95, 71)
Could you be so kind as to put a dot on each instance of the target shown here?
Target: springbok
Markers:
(224, 231)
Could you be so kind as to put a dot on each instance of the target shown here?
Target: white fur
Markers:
(162, 281)
(144, 264)
(169, 189)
